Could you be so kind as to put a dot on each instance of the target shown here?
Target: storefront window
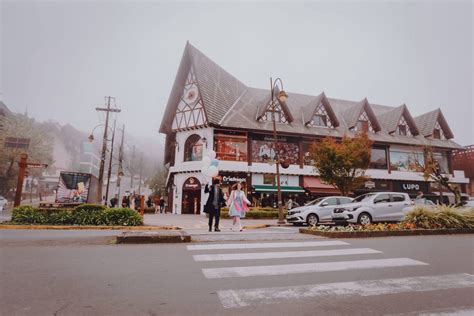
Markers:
(406, 161)
(307, 154)
(269, 179)
(378, 158)
(442, 160)
(266, 149)
(231, 147)
(193, 148)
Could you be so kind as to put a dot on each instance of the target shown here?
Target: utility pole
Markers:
(120, 168)
(107, 111)
(110, 164)
(132, 169)
(141, 171)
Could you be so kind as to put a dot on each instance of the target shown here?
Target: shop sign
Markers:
(228, 179)
(191, 184)
(410, 186)
(370, 185)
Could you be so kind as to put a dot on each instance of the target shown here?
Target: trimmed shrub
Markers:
(122, 217)
(440, 217)
(90, 207)
(82, 216)
(28, 215)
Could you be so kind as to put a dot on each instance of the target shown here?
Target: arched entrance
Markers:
(191, 197)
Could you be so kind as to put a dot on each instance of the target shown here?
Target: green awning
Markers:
(273, 188)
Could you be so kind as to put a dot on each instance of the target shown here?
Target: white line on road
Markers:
(248, 297)
(284, 254)
(268, 245)
(308, 267)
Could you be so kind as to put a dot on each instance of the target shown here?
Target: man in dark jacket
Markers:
(214, 203)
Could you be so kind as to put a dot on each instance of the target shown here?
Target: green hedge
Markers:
(255, 213)
(82, 215)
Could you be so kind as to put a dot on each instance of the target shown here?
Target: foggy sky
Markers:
(60, 59)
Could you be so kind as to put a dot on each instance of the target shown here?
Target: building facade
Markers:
(209, 109)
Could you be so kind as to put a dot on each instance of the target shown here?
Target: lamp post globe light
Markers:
(282, 97)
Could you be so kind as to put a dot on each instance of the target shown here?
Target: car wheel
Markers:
(312, 219)
(364, 219)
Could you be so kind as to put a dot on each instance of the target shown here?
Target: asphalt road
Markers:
(81, 273)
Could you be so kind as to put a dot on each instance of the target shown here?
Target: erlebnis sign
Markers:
(227, 179)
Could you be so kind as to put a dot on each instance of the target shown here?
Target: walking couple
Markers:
(237, 203)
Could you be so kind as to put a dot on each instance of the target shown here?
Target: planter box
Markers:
(385, 233)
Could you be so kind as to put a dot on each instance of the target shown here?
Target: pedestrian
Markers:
(290, 204)
(149, 202)
(125, 202)
(137, 202)
(419, 198)
(238, 205)
(114, 201)
(132, 201)
(162, 205)
(214, 203)
(156, 203)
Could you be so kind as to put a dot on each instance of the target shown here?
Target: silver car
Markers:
(373, 207)
(314, 212)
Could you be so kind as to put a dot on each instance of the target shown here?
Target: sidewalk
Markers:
(200, 222)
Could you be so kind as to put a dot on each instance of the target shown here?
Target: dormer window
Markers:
(403, 128)
(280, 116)
(363, 124)
(438, 132)
(321, 117)
(319, 120)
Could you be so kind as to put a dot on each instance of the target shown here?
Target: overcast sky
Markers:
(59, 59)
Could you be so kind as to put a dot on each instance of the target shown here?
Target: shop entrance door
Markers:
(191, 196)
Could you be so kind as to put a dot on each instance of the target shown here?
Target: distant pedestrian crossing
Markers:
(324, 250)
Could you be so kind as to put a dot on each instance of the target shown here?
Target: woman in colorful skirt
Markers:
(238, 205)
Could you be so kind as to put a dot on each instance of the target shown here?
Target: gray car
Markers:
(317, 211)
(373, 207)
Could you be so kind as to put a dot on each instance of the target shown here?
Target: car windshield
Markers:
(364, 197)
(314, 202)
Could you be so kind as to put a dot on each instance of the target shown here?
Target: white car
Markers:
(314, 212)
(3, 203)
(373, 207)
(417, 202)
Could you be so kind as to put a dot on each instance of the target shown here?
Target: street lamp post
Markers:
(282, 96)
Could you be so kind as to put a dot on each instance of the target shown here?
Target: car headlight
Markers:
(352, 209)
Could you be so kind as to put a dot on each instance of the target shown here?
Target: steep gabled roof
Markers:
(310, 108)
(219, 89)
(265, 106)
(390, 119)
(426, 123)
(352, 114)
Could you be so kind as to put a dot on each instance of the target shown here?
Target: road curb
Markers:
(384, 233)
(153, 237)
(88, 227)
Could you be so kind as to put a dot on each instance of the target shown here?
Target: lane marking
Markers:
(232, 272)
(268, 245)
(284, 254)
(249, 297)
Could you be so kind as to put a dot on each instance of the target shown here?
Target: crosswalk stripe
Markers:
(248, 297)
(284, 254)
(230, 272)
(268, 245)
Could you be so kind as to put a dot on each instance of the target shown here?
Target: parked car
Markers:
(373, 207)
(468, 204)
(416, 202)
(3, 203)
(314, 212)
